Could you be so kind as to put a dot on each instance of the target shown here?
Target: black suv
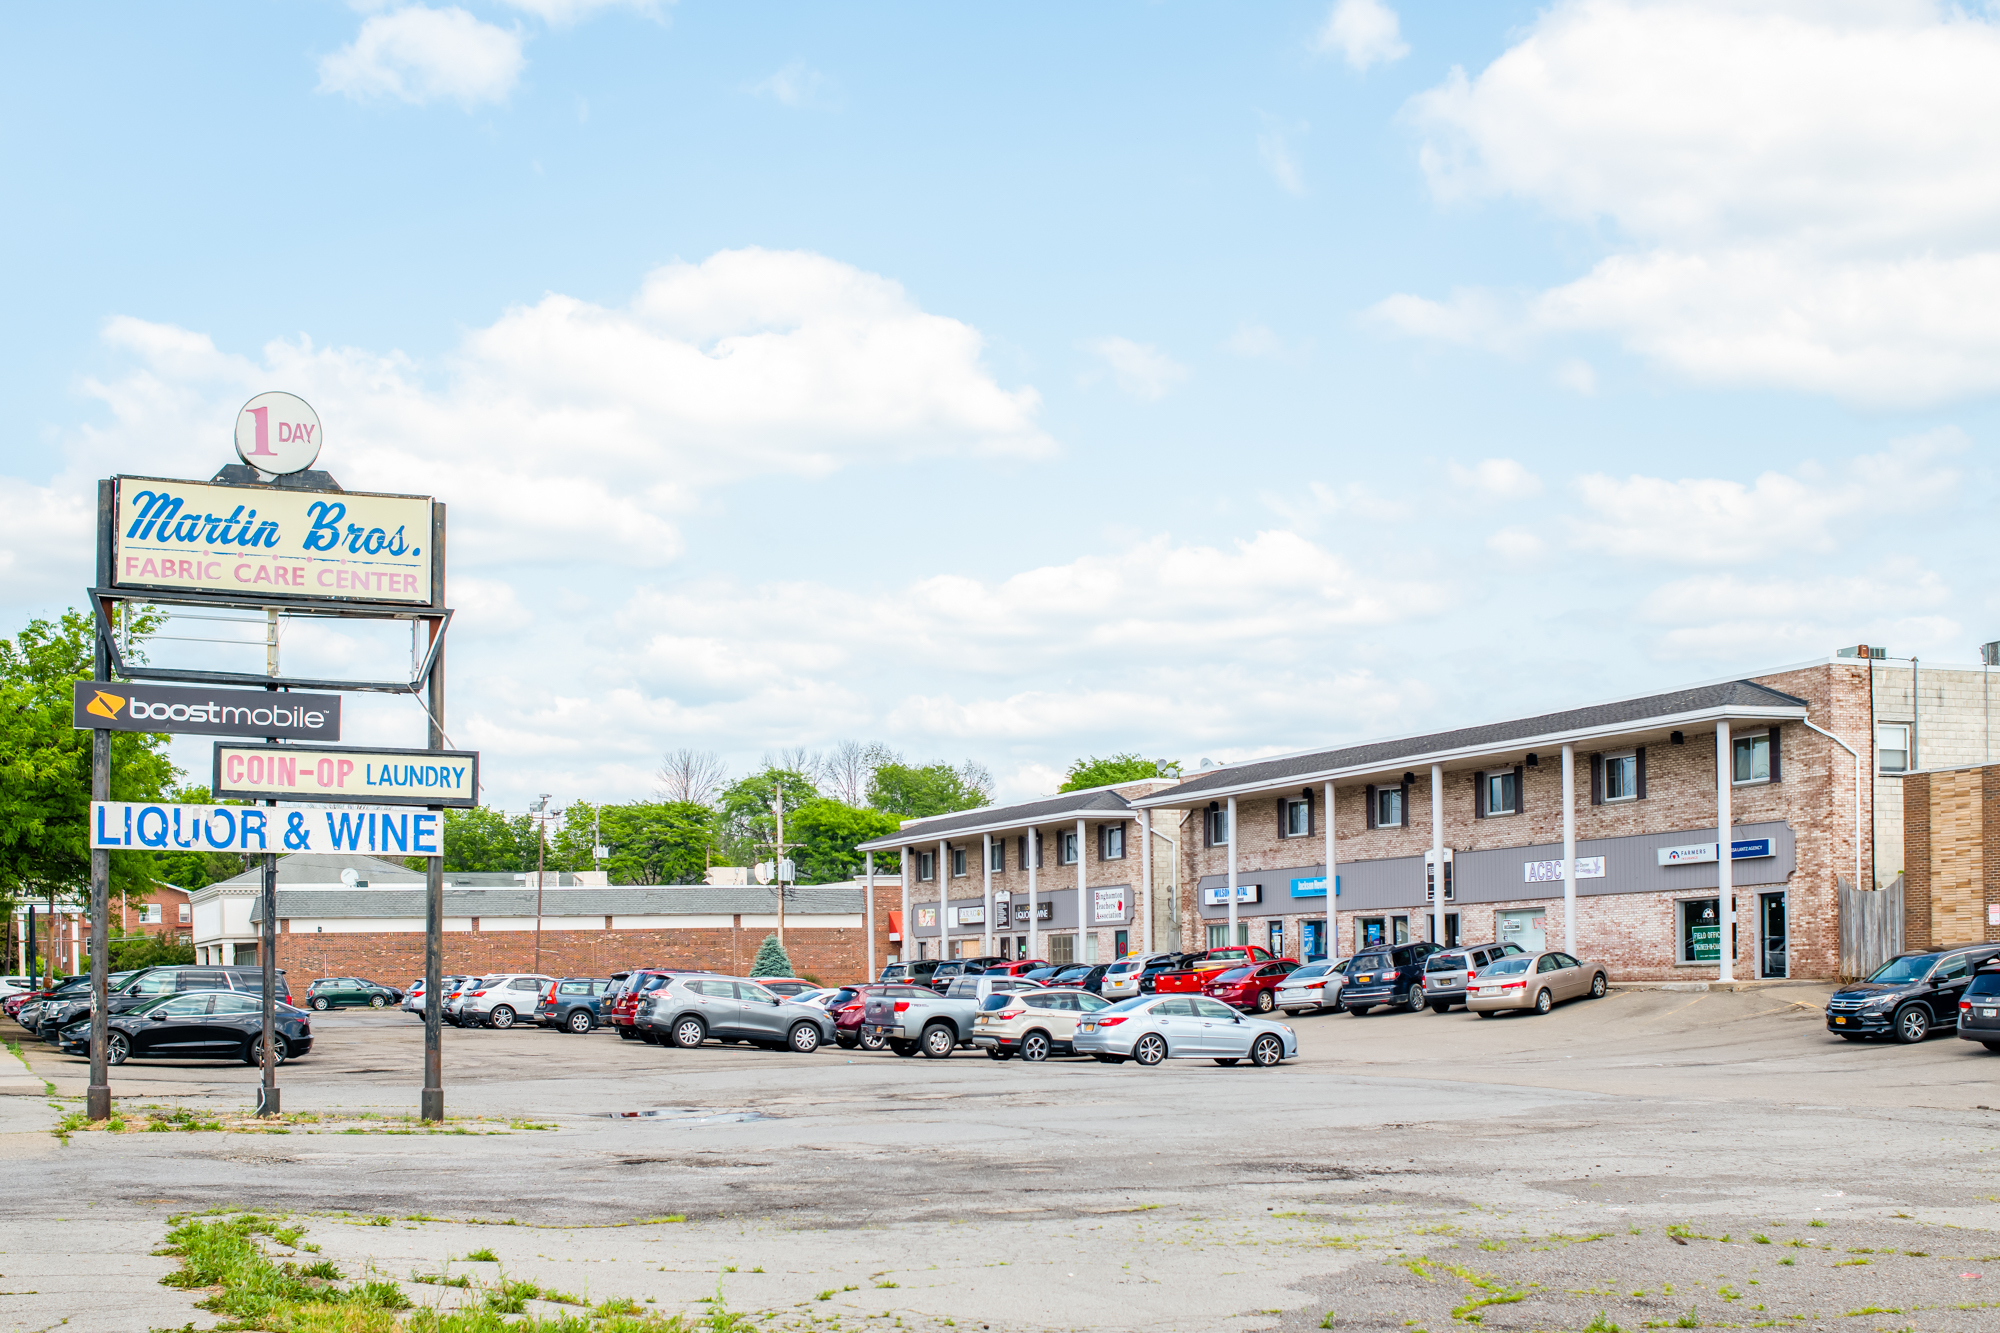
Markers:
(152, 982)
(1908, 997)
(1393, 976)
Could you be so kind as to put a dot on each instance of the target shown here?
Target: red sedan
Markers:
(1015, 968)
(1251, 987)
(846, 1009)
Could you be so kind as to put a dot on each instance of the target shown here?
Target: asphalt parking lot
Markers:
(1401, 1167)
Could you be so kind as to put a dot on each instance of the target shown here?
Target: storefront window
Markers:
(1700, 931)
(1401, 926)
(1062, 948)
(1371, 931)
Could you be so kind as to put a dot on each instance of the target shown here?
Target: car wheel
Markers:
(1544, 1002)
(1225, 1060)
(846, 1043)
(872, 1041)
(117, 1048)
(1358, 1010)
(938, 1041)
(1598, 985)
(1265, 1002)
(1266, 1051)
(580, 1021)
(320, 1003)
(804, 1038)
(1913, 1025)
(1150, 1049)
(253, 1051)
(905, 1049)
(1035, 1047)
(1489, 1013)
(1416, 1002)
(374, 1002)
(689, 1032)
(1440, 1006)
(502, 1017)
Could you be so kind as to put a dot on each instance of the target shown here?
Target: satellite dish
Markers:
(762, 870)
(349, 877)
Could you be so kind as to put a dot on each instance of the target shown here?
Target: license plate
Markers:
(1840, 1020)
(1086, 1027)
(1989, 1013)
(1366, 976)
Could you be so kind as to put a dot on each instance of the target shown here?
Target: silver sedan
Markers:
(1152, 1028)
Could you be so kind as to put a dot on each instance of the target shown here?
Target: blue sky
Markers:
(1016, 384)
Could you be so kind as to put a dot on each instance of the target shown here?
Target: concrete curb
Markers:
(1716, 985)
(17, 1079)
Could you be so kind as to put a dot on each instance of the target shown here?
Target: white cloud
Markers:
(796, 85)
(1796, 194)
(1140, 369)
(1713, 520)
(1516, 544)
(1307, 508)
(1769, 618)
(1274, 150)
(1577, 376)
(564, 12)
(421, 55)
(1497, 479)
(1364, 32)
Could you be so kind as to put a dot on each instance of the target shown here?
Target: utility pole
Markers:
(541, 846)
(778, 849)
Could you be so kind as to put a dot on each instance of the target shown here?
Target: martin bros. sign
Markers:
(192, 536)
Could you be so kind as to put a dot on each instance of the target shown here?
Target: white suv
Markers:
(500, 1002)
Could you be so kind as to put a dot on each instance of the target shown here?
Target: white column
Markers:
(1437, 846)
(944, 895)
(1083, 922)
(1332, 884)
(1569, 850)
(868, 907)
(986, 913)
(1725, 946)
(903, 945)
(1145, 882)
(1034, 931)
(1231, 817)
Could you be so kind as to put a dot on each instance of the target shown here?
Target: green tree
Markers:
(745, 825)
(1095, 772)
(664, 842)
(45, 766)
(771, 960)
(483, 839)
(921, 791)
(827, 831)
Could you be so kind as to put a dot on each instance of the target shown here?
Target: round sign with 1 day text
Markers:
(278, 433)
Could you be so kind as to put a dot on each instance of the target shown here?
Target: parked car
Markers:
(1083, 976)
(499, 1002)
(1314, 987)
(691, 1009)
(128, 989)
(1448, 972)
(1537, 981)
(979, 966)
(1121, 978)
(349, 992)
(41, 1003)
(849, 1009)
(789, 987)
(1979, 1010)
(1910, 996)
(1152, 1028)
(1159, 963)
(413, 998)
(916, 970)
(1032, 1024)
(204, 1025)
(620, 1009)
(1252, 987)
(571, 1003)
(1196, 969)
(1015, 967)
(1392, 976)
(913, 1018)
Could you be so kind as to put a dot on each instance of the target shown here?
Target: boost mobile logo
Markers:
(105, 705)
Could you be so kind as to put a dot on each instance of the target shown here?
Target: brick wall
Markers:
(1951, 837)
(1917, 861)
(834, 955)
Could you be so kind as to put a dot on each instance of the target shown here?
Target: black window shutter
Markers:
(1312, 819)
(1597, 779)
(1283, 801)
(1520, 789)
(1406, 807)
(1774, 754)
(1479, 796)
(1368, 794)
(1639, 756)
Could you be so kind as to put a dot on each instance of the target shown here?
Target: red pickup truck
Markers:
(1190, 979)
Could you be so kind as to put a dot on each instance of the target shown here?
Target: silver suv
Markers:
(502, 1001)
(688, 1010)
(1447, 974)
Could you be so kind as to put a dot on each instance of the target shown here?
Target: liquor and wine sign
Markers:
(248, 829)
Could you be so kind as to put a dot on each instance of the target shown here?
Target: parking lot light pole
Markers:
(1569, 849)
(1145, 882)
(1230, 832)
(944, 891)
(1437, 855)
(908, 932)
(1332, 884)
(1725, 915)
(1033, 842)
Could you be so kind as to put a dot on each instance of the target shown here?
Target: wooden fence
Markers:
(1871, 927)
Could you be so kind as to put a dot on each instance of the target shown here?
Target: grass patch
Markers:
(1869, 1309)
(480, 1256)
(1602, 1324)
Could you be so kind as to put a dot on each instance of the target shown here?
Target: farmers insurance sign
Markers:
(195, 537)
(323, 773)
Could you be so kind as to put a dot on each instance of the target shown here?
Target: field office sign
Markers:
(325, 773)
(244, 829)
(188, 536)
(102, 705)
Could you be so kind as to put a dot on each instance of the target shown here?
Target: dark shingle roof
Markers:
(635, 900)
(1495, 735)
(1068, 805)
(325, 868)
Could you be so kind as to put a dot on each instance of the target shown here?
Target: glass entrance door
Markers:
(1771, 911)
(1313, 934)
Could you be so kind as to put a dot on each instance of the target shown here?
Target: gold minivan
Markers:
(1537, 981)
(1033, 1024)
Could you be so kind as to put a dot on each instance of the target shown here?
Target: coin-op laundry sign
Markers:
(194, 536)
(108, 705)
(322, 773)
(244, 829)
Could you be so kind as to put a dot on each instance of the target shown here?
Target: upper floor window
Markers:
(1752, 758)
(1031, 857)
(999, 855)
(1066, 849)
(1503, 793)
(1297, 817)
(1388, 807)
(958, 863)
(926, 865)
(187, 914)
(1892, 747)
(1111, 843)
(1218, 828)
(1621, 777)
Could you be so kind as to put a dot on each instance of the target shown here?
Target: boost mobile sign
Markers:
(199, 537)
(243, 829)
(103, 705)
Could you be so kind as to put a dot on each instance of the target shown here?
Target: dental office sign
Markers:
(244, 829)
(323, 773)
(191, 536)
(1748, 849)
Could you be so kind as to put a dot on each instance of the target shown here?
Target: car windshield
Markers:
(1122, 968)
(1234, 974)
(1369, 961)
(1986, 983)
(1507, 967)
(1445, 962)
(1898, 971)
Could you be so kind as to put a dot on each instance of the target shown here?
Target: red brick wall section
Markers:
(832, 955)
(1917, 861)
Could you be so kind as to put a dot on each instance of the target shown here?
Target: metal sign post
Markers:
(433, 1096)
